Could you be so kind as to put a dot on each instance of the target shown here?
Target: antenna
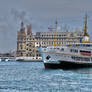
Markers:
(55, 44)
(85, 29)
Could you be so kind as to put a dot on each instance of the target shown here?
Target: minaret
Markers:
(22, 27)
(22, 24)
(86, 38)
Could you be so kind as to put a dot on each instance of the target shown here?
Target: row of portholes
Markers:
(80, 58)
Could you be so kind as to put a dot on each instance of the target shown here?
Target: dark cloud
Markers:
(19, 15)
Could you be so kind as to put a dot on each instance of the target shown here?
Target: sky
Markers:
(41, 14)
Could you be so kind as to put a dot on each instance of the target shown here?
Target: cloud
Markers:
(18, 15)
(41, 14)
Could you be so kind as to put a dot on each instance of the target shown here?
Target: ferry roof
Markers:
(79, 44)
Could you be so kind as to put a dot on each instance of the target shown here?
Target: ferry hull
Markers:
(66, 65)
(51, 66)
(74, 65)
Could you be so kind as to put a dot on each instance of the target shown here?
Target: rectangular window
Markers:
(86, 53)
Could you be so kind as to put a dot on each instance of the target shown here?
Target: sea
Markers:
(33, 77)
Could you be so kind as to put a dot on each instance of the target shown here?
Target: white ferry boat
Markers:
(29, 59)
(76, 55)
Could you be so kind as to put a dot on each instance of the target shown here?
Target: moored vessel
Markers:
(7, 59)
(75, 55)
(29, 59)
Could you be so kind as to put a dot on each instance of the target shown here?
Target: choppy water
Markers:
(32, 77)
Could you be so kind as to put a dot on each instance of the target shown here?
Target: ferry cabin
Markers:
(78, 51)
(73, 52)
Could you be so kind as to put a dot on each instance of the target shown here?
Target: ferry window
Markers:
(74, 50)
(62, 49)
(87, 59)
(71, 50)
(67, 45)
(87, 45)
(84, 45)
(73, 57)
(74, 45)
(77, 45)
(81, 58)
(85, 51)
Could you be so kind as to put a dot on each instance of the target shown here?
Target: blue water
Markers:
(32, 77)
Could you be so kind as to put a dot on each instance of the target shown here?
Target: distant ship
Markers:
(76, 55)
(7, 59)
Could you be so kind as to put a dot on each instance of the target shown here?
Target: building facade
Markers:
(45, 39)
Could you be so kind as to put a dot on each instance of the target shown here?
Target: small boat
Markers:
(29, 59)
(7, 59)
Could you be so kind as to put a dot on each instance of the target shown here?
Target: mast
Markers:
(85, 29)
(55, 44)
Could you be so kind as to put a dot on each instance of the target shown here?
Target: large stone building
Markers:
(45, 39)
(27, 43)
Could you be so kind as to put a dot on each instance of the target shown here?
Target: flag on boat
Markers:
(51, 28)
